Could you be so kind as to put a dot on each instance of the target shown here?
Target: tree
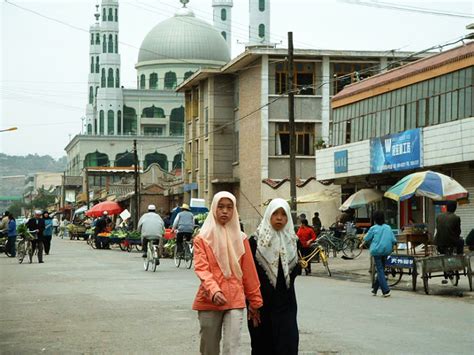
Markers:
(43, 199)
(15, 208)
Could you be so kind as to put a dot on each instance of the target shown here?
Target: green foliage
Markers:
(43, 199)
(15, 208)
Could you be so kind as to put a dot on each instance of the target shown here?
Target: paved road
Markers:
(83, 301)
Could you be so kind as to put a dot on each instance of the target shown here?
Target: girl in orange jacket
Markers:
(224, 264)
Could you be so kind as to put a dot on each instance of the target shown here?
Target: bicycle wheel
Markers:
(393, 276)
(138, 247)
(21, 251)
(122, 246)
(176, 257)
(324, 259)
(350, 248)
(30, 252)
(188, 256)
(148, 259)
(154, 264)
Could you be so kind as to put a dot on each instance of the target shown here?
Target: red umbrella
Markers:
(110, 206)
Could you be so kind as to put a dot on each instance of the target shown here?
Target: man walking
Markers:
(448, 231)
(37, 224)
(184, 224)
(151, 227)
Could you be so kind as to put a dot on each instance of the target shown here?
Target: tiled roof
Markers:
(411, 69)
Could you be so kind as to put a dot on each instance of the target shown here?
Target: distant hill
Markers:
(29, 164)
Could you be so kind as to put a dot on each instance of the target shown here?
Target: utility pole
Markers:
(87, 188)
(291, 119)
(135, 174)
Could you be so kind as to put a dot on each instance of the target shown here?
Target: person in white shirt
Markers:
(151, 227)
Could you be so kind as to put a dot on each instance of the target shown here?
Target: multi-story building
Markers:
(236, 119)
(415, 117)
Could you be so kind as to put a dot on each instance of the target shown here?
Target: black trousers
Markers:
(459, 248)
(179, 239)
(47, 243)
(37, 244)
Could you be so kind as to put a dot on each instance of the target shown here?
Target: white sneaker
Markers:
(387, 294)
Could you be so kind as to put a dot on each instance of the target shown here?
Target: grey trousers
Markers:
(220, 324)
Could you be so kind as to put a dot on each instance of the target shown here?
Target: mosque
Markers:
(152, 113)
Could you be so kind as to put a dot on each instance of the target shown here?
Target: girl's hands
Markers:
(219, 299)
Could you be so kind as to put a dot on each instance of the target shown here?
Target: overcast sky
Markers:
(43, 83)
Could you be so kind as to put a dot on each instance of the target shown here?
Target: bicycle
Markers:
(152, 257)
(25, 245)
(349, 244)
(186, 254)
(317, 250)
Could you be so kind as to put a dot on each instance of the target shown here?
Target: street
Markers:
(102, 301)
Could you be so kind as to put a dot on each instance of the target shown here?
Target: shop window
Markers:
(142, 81)
(223, 14)
(304, 79)
(261, 5)
(110, 122)
(261, 30)
(153, 81)
(170, 80)
(110, 78)
(304, 133)
(111, 44)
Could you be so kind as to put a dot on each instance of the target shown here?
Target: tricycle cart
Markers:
(396, 266)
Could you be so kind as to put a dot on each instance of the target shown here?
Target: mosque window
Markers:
(92, 38)
(223, 14)
(124, 159)
(116, 43)
(110, 78)
(91, 94)
(89, 129)
(261, 30)
(104, 44)
(177, 121)
(117, 78)
(111, 44)
(110, 122)
(111, 16)
(96, 159)
(97, 64)
(95, 125)
(116, 15)
(129, 120)
(177, 160)
(119, 122)
(104, 14)
(261, 5)
(160, 159)
(153, 81)
(170, 80)
(101, 122)
(92, 64)
(96, 90)
(224, 34)
(153, 112)
(102, 79)
(97, 38)
(188, 74)
(142, 81)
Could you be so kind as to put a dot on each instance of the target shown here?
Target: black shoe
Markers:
(40, 262)
(144, 255)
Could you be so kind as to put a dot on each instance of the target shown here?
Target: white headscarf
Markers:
(226, 242)
(273, 246)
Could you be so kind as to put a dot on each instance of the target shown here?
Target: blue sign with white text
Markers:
(340, 162)
(396, 152)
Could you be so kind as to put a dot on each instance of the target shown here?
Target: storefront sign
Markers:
(191, 186)
(340, 162)
(400, 261)
(395, 152)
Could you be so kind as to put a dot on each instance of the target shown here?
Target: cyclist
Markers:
(37, 224)
(151, 227)
(184, 224)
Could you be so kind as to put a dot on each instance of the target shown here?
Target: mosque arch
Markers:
(104, 44)
(177, 121)
(97, 66)
(110, 122)
(111, 16)
(261, 30)
(91, 94)
(170, 80)
(119, 122)
(261, 5)
(129, 120)
(142, 81)
(104, 14)
(101, 122)
(160, 159)
(97, 38)
(110, 78)
(223, 14)
(177, 162)
(153, 112)
(224, 34)
(111, 44)
(96, 159)
(188, 74)
(89, 128)
(102, 78)
(117, 78)
(124, 159)
(153, 81)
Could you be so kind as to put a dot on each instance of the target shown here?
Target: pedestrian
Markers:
(10, 248)
(151, 227)
(381, 239)
(184, 224)
(224, 264)
(48, 232)
(36, 225)
(55, 225)
(306, 236)
(448, 231)
(317, 225)
(276, 258)
(102, 226)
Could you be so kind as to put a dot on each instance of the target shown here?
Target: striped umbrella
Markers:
(430, 184)
(361, 198)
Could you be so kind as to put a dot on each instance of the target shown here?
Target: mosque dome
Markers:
(184, 37)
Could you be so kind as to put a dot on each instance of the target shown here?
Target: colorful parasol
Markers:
(430, 184)
(361, 198)
(111, 207)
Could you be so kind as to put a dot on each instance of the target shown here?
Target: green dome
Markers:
(184, 37)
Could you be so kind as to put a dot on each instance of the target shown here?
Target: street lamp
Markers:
(9, 129)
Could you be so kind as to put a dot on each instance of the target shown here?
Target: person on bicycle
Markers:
(306, 236)
(37, 224)
(151, 227)
(184, 224)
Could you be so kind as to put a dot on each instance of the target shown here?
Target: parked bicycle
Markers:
(25, 246)
(317, 250)
(152, 257)
(348, 244)
(186, 254)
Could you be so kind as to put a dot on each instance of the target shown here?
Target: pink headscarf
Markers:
(225, 241)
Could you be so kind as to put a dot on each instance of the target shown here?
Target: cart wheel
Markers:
(453, 276)
(425, 283)
(138, 247)
(177, 259)
(414, 276)
(350, 248)
(393, 276)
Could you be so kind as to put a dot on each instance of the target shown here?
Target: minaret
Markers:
(259, 22)
(93, 82)
(223, 19)
(109, 109)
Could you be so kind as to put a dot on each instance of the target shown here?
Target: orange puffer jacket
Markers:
(213, 280)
